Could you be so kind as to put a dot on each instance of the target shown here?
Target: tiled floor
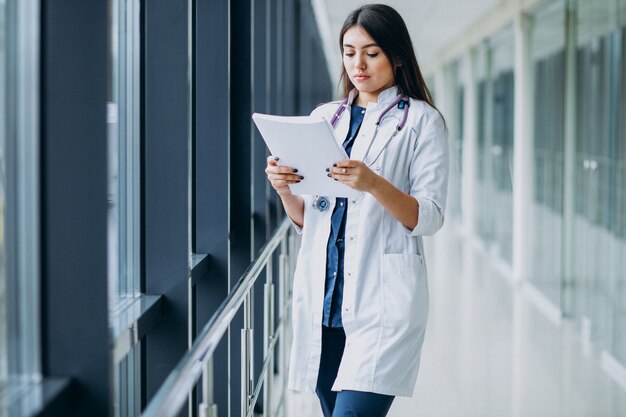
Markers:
(490, 353)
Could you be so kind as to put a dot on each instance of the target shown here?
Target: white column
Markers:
(470, 142)
(522, 149)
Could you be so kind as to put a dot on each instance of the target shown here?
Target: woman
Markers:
(360, 296)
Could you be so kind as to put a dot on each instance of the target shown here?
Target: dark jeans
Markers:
(344, 403)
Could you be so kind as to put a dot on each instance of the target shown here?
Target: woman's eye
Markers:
(349, 54)
(373, 55)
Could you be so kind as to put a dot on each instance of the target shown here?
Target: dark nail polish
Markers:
(301, 177)
(297, 180)
(335, 179)
(327, 169)
(334, 165)
(295, 170)
(330, 175)
(275, 158)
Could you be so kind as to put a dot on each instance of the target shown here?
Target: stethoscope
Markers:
(322, 203)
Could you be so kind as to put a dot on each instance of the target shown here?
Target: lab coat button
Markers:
(346, 308)
(353, 201)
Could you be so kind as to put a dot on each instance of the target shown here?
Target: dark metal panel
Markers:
(260, 201)
(211, 172)
(75, 335)
(240, 136)
(240, 208)
(165, 183)
(260, 105)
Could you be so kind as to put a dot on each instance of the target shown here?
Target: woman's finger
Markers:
(291, 177)
(344, 171)
(347, 163)
(272, 160)
(280, 170)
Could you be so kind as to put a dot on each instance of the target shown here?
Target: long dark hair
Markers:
(385, 25)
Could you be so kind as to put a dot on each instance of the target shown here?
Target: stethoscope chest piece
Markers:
(321, 203)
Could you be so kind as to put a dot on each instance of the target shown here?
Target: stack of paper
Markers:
(307, 143)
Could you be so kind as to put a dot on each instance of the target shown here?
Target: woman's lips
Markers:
(361, 77)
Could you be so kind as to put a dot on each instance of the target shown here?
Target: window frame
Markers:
(22, 193)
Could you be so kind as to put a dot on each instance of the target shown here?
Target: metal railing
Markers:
(196, 362)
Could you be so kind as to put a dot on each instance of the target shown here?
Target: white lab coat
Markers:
(385, 295)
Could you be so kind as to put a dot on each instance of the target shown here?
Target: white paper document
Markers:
(307, 143)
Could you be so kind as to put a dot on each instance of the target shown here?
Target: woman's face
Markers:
(367, 66)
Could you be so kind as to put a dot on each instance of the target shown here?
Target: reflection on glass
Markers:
(503, 47)
(600, 203)
(494, 71)
(123, 188)
(3, 135)
(126, 373)
(594, 171)
(123, 134)
(454, 87)
(484, 225)
(618, 347)
(548, 55)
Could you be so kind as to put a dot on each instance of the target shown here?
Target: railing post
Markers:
(269, 336)
(283, 291)
(207, 407)
(247, 384)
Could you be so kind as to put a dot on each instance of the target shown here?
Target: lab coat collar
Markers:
(388, 95)
(385, 97)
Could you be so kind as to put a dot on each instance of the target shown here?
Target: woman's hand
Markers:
(354, 174)
(357, 175)
(281, 176)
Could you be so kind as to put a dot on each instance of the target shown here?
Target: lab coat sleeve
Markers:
(428, 176)
(297, 228)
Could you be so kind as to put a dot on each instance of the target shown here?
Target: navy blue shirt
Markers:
(333, 295)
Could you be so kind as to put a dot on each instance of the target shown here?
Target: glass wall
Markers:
(123, 131)
(454, 119)
(484, 225)
(577, 240)
(599, 174)
(19, 194)
(3, 135)
(617, 345)
(495, 59)
(123, 123)
(548, 55)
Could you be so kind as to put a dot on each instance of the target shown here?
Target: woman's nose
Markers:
(359, 62)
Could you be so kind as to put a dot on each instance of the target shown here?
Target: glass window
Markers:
(123, 131)
(19, 191)
(494, 74)
(3, 135)
(617, 347)
(483, 222)
(502, 145)
(454, 113)
(123, 121)
(600, 244)
(548, 56)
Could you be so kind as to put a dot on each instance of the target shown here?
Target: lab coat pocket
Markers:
(403, 289)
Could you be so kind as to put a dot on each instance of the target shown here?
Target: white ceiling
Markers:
(433, 24)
